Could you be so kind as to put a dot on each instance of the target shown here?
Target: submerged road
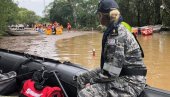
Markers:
(40, 45)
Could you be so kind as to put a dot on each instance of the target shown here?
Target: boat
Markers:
(67, 72)
(22, 32)
(146, 31)
(165, 28)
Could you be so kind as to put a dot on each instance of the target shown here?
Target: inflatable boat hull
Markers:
(67, 72)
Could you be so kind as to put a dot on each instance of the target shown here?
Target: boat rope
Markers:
(60, 83)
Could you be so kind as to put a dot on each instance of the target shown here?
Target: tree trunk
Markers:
(159, 12)
(74, 12)
(138, 6)
(138, 17)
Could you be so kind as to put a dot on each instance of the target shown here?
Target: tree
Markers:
(27, 17)
(61, 12)
(77, 12)
(10, 14)
(8, 10)
(140, 12)
(165, 12)
(81, 13)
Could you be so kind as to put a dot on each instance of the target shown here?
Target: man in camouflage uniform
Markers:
(122, 72)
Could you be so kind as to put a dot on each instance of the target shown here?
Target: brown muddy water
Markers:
(156, 49)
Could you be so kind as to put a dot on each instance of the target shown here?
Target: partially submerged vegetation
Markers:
(82, 13)
(11, 14)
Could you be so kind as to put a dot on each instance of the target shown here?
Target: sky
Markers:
(35, 5)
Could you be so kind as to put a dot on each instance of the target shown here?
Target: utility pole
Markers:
(162, 7)
(44, 3)
(138, 5)
(44, 7)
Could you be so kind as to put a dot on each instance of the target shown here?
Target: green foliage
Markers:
(27, 17)
(10, 14)
(80, 13)
(44, 20)
(61, 12)
(166, 13)
(86, 16)
(8, 10)
(141, 12)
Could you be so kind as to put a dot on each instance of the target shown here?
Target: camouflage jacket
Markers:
(121, 50)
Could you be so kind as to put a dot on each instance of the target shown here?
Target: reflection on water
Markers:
(80, 50)
(157, 54)
(156, 49)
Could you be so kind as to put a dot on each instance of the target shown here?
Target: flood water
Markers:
(156, 49)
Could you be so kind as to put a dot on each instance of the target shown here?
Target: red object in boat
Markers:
(147, 31)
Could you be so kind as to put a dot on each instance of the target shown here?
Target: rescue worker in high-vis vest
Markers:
(59, 29)
(49, 30)
(127, 26)
(122, 71)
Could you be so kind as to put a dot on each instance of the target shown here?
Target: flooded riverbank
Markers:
(79, 50)
(41, 45)
(156, 49)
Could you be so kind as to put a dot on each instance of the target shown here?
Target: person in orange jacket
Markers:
(59, 29)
